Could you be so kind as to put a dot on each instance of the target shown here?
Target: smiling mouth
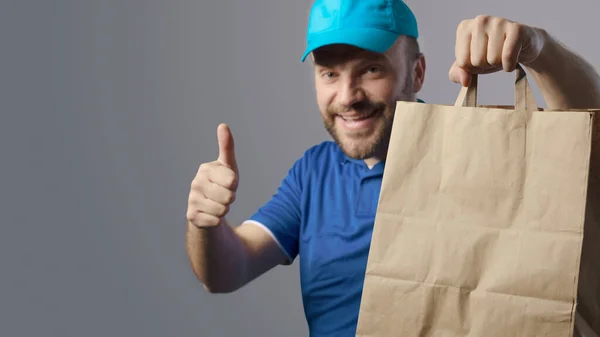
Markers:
(361, 117)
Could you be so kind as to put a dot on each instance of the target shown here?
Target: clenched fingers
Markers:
(219, 174)
(203, 219)
(205, 205)
(213, 191)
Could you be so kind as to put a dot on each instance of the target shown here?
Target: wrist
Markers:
(548, 52)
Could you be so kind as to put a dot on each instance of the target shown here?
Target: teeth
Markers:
(358, 118)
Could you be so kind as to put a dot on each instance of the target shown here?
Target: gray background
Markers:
(109, 106)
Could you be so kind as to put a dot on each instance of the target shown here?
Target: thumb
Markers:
(459, 75)
(226, 147)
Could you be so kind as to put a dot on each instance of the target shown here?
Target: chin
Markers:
(361, 144)
(357, 148)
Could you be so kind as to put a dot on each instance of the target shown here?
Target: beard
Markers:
(362, 144)
(373, 141)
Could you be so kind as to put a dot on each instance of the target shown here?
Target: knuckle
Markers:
(197, 185)
(230, 198)
(229, 179)
(190, 215)
(500, 22)
(225, 176)
(222, 211)
(193, 209)
(232, 180)
(193, 199)
(481, 22)
(515, 29)
(463, 25)
(482, 19)
(204, 167)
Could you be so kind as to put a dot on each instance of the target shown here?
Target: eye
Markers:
(373, 70)
(328, 74)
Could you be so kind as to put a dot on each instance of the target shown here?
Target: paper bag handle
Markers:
(524, 100)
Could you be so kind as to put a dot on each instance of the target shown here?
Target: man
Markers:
(366, 57)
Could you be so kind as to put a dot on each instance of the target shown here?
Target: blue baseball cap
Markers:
(368, 24)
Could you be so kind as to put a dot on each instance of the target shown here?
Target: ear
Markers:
(419, 66)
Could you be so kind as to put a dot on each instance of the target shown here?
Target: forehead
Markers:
(341, 53)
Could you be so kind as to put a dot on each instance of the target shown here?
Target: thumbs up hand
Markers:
(213, 188)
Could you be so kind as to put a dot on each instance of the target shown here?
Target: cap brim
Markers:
(372, 39)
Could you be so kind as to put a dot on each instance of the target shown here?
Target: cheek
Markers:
(324, 97)
(381, 91)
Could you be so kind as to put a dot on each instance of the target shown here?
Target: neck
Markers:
(372, 161)
(379, 155)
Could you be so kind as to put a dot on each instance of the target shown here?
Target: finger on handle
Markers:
(460, 75)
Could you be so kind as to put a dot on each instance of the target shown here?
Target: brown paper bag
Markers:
(481, 221)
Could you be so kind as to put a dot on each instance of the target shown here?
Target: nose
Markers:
(350, 92)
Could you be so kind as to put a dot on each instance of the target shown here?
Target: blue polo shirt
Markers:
(323, 212)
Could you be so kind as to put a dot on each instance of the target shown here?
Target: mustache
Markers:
(364, 106)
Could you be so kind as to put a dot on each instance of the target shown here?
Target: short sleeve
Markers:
(281, 215)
